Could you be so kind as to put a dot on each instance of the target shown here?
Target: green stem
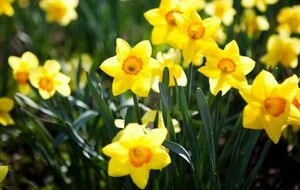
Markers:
(136, 108)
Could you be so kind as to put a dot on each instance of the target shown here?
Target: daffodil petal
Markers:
(117, 168)
(122, 49)
(140, 176)
(3, 172)
(31, 59)
(247, 64)
(156, 137)
(160, 159)
(154, 17)
(6, 104)
(251, 117)
(52, 66)
(6, 119)
(159, 34)
(111, 66)
(115, 150)
(143, 49)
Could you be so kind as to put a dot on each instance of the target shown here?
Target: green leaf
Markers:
(3, 172)
(178, 149)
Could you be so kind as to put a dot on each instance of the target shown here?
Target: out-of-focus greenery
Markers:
(56, 143)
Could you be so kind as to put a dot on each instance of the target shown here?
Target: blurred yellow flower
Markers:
(149, 117)
(170, 60)
(23, 3)
(163, 18)
(22, 66)
(48, 79)
(226, 68)
(282, 49)
(6, 105)
(222, 9)
(194, 35)
(252, 23)
(289, 20)
(269, 104)
(6, 7)
(134, 152)
(260, 4)
(61, 11)
(3, 172)
(132, 68)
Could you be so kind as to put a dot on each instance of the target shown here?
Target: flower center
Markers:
(170, 17)
(296, 103)
(220, 9)
(274, 106)
(226, 65)
(21, 76)
(196, 31)
(46, 84)
(132, 65)
(139, 156)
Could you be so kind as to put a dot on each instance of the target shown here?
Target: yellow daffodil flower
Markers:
(3, 172)
(6, 7)
(22, 66)
(226, 68)
(282, 49)
(6, 105)
(48, 79)
(134, 152)
(252, 23)
(296, 103)
(289, 20)
(60, 11)
(132, 68)
(149, 117)
(260, 4)
(194, 35)
(171, 60)
(269, 104)
(163, 18)
(221, 9)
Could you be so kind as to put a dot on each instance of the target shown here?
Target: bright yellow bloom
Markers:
(6, 7)
(61, 11)
(3, 172)
(134, 152)
(221, 9)
(6, 105)
(282, 49)
(149, 117)
(296, 103)
(132, 68)
(163, 18)
(260, 4)
(252, 23)
(171, 60)
(48, 79)
(22, 66)
(289, 20)
(226, 68)
(194, 35)
(269, 104)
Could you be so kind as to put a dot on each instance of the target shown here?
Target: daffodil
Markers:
(60, 11)
(170, 60)
(132, 68)
(296, 103)
(3, 172)
(22, 66)
(194, 35)
(48, 80)
(269, 104)
(226, 68)
(6, 105)
(222, 9)
(282, 49)
(134, 152)
(163, 18)
(260, 4)
(6, 7)
(289, 20)
(149, 117)
(252, 23)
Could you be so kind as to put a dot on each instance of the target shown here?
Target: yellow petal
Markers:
(132, 131)
(119, 123)
(211, 25)
(155, 137)
(14, 62)
(154, 17)
(3, 172)
(219, 84)
(247, 64)
(288, 89)
(210, 71)
(122, 49)
(232, 50)
(159, 34)
(45, 94)
(5, 119)
(6, 104)
(24, 88)
(52, 66)
(263, 85)
(111, 66)
(141, 86)
(248, 3)
(31, 59)
(273, 131)
(120, 85)
(294, 116)
(182, 79)
(160, 159)
(117, 168)
(114, 150)
(35, 76)
(252, 117)
(143, 49)
(139, 176)
(149, 116)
